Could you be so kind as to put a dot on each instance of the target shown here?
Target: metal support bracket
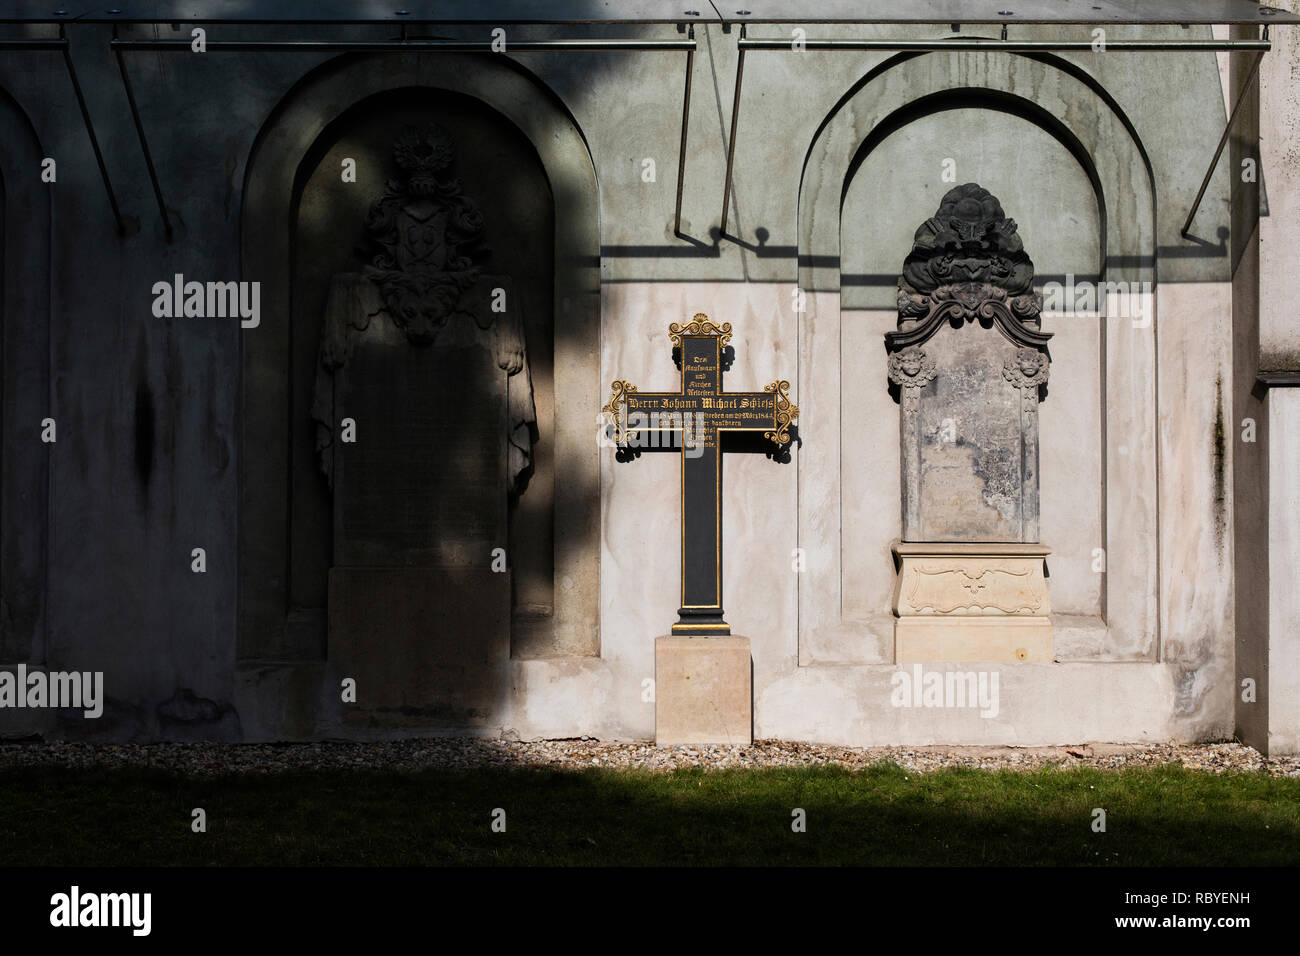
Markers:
(1260, 46)
(686, 122)
(61, 44)
(144, 140)
(403, 45)
(1223, 141)
(735, 121)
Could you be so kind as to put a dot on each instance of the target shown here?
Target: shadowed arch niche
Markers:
(516, 208)
(1067, 166)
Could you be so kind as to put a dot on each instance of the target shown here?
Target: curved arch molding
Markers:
(1103, 141)
(266, 223)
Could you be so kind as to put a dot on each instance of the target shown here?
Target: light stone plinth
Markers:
(703, 691)
(971, 602)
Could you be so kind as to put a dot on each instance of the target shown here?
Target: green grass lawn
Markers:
(880, 816)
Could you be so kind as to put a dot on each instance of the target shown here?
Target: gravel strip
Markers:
(213, 759)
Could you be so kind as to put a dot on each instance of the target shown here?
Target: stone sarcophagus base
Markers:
(971, 602)
(426, 646)
(703, 691)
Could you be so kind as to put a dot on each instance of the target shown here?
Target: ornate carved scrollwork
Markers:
(944, 590)
(427, 232)
(621, 390)
(968, 241)
(968, 264)
(786, 413)
(700, 325)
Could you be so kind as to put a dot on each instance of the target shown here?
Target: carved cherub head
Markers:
(1026, 369)
(911, 367)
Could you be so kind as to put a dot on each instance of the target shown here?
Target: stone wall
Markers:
(838, 157)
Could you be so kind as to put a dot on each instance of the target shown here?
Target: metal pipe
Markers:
(686, 122)
(1018, 46)
(1223, 141)
(404, 46)
(144, 145)
(735, 119)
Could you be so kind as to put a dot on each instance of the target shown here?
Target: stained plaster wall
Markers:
(148, 459)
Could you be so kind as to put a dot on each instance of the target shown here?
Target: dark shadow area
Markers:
(753, 443)
(883, 815)
(502, 177)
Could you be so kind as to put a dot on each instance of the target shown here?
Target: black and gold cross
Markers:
(698, 415)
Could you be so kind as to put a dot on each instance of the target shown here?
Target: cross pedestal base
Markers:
(703, 691)
(971, 602)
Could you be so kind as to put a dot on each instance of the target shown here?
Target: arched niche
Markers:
(281, 616)
(25, 377)
(1066, 103)
(855, 155)
(936, 142)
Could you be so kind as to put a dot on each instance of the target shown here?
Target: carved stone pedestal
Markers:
(971, 602)
(703, 691)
